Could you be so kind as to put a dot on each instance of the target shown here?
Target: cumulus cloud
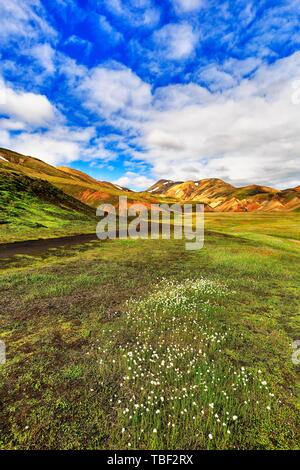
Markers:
(248, 133)
(11, 124)
(239, 68)
(231, 118)
(216, 78)
(180, 96)
(186, 131)
(59, 145)
(31, 108)
(184, 6)
(114, 90)
(176, 41)
(139, 13)
(134, 181)
(42, 130)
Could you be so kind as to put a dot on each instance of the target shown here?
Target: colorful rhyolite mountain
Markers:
(223, 197)
(215, 194)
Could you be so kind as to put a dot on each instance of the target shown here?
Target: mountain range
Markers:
(70, 187)
(219, 196)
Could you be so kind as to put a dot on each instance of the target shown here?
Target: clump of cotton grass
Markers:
(176, 382)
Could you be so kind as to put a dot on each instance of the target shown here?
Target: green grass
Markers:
(280, 225)
(99, 333)
(33, 208)
(47, 205)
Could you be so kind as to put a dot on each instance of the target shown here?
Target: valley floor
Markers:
(143, 345)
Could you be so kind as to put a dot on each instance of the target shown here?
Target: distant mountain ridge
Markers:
(214, 193)
(220, 196)
(74, 183)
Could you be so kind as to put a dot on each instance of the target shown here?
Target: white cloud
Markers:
(42, 130)
(250, 133)
(240, 68)
(70, 69)
(48, 148)
(12, 125)
(242, 135)
(176, 41)
(184, 6)
(57, 146)
(114, 36)
(216, 79)
(26, 31)
(23, 22)
(99, 150)
(139, 13)
(220, 77)
(134, 181)
(45, 55)
(115, 90)
(180, 96)
(30, 108)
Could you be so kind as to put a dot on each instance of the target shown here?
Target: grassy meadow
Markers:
(32, 208)
(140, 344)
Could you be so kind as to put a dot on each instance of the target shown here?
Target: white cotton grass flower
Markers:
(168, 376)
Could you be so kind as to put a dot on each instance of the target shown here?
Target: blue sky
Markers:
(137, 90)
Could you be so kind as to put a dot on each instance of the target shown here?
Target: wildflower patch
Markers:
(177, 386)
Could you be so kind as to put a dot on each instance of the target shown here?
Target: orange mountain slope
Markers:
(214, 193)
(223, 197)
(72, 182)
